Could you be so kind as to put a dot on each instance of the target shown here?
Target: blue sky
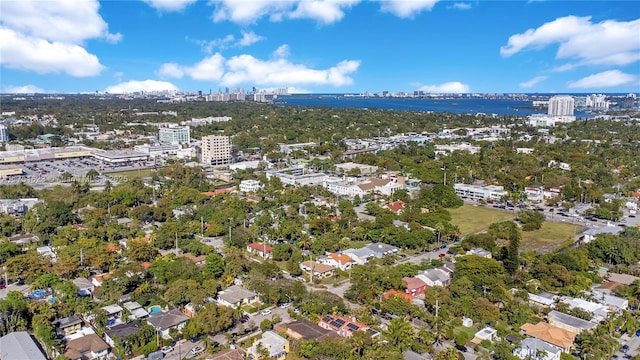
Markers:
(320, 46)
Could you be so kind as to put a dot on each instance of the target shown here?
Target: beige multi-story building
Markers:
(561, 105)
(216, 150)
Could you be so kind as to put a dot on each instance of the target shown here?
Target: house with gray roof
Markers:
(236, 295)
(20, 345)
(381, 250)
(569, 322)
(276, 345)
(531, 348)
(360, 256)
(591, 234)
(435, 277)
(165, 321)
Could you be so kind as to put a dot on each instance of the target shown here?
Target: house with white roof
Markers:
(542, 300)
(534, 349)
(360, 256)
(435, 277)
(598, 311)
(591, 234)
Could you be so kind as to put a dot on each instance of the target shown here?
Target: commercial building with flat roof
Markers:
(216, 150)
(174, 135)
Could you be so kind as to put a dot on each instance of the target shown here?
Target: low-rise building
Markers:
(316, 269)
(551, 334)
(119, 333)
(345, 326)
(569, 322)
(67, 326)
(19, 345)
(435, 277)
(531, 348)
(480, 252)
(235, 296)
(165, 321)
(305, 330)
(261, 249)
(480, 192)
(87, 347)
(415, 286)
(336, 260)
(250, 186)
(276, 346)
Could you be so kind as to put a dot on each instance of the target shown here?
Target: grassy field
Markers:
(549, 236)
(133, 174)
(473, 219)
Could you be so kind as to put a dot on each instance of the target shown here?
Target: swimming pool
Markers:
(154, 309)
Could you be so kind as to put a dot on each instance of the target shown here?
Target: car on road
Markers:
(166, 349)
(625, 348)
(285, 305)
(197, 350)
(265, 312)
(442, 255)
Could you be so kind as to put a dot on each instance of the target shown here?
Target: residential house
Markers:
(381, 250)
(393, 293)
(435, 277)
(396, 207)
(316, 269)
(488, 333)
(415, 286)
(85, 287)
(591, 234)
(345, 326)
(598, 311)
(569, 322)
(340, 261)
(113, 311)
(533, 349)
(165, 321)
(623, 279)
(236, 296)
(125, 222)
(480, 252)
(261, 249)
(360, 256)
(87, 347)
(611, 302)
(228, 354)
(276, 346)
(542, 300)
(24, 289)
(24, 240)
(67, 326)
(189, 310)
(19, 345)
(120, 332)
(136, 310)
(200, 261)
(48, 252)
(551, 334)
(305, 330)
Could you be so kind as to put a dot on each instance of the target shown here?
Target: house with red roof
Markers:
(415, 286)
(397, 293)
(261, 249)
(396, 207)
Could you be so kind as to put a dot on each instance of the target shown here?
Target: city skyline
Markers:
(346, 46)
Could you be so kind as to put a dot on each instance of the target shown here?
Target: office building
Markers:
(175, 135)
(216, 150)
(4, 134)
(561, 105)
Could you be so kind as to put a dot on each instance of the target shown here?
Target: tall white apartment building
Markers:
(216, 150)
(561, 105)
(4, 134)
(598, 101)
(175, 135)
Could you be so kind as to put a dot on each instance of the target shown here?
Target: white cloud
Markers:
(245, 12)
(144, 85)
(533, 82)
(27, 53)
(249, 38)
(608, 78)
(210, 68)
(605, 43)
(276, 72)
(169, 5)
(67, 21)
(406, 8)
(462, 6)
(25, 89)
(452, 87)
(48, 36)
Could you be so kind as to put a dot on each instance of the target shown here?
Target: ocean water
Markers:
(452, 105)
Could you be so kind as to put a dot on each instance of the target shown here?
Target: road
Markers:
(182, 350)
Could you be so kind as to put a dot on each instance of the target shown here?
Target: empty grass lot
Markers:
(473, 219)
(133, 174)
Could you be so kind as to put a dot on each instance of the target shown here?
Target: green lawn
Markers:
(473, 219)
(133, 174)
(549, 236)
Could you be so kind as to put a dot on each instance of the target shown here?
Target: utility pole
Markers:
(230, 229)
(81, 257)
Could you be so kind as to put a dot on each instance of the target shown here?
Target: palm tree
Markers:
(400, 333)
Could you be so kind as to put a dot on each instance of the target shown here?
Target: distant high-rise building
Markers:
(597, 101)
(561, 105)
(216, 150)
(175, 135)
(4, 134)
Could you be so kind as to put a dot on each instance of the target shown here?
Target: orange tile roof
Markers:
(393, 293)
(396, 206)
(260, 247)
(550, 333)
(340, 258)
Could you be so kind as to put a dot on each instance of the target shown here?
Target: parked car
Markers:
(197, 350)
(285, 305)
(166, 349)
(624, 348)
(265, 312)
